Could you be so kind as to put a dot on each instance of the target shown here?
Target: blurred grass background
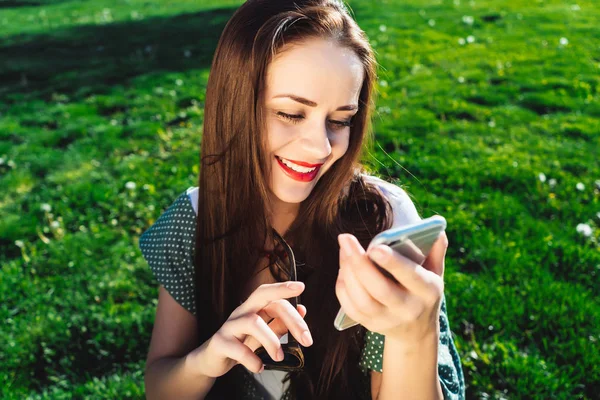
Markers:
(488, 113)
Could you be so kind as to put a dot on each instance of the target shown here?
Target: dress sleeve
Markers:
(449, 366)
(168, 247)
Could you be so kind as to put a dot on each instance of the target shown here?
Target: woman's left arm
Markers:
(407, 314)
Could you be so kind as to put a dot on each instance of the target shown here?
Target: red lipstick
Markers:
(300, 176)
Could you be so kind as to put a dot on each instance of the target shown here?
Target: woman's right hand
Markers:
(246, 330)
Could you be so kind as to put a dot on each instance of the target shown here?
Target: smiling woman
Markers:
(313, 131)
(287, 115)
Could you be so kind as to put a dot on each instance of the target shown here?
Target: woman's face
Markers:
(323, 81)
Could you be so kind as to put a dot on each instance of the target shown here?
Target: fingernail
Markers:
(381, 253)
(345, 245)
(295, 285)
(306, 338)
(280, 354)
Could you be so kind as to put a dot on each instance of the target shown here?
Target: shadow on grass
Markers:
(85, 60)
(21, 4)
(89, 59)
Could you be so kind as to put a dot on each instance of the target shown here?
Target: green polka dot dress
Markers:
(168, 247)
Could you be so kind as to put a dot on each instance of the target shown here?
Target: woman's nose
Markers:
(316, 144)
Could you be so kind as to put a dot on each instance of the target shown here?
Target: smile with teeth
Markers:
(296, 167)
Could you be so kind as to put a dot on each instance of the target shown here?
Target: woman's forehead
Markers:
(321, 71)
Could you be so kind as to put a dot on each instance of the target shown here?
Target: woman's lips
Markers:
(298, 176)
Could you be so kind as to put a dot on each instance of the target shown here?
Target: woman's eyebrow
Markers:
(310, 103)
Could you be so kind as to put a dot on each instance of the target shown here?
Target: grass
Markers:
(488, 113)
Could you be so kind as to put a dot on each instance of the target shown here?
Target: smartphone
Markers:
(413, 241)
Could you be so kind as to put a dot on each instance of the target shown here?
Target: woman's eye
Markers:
(297, 118)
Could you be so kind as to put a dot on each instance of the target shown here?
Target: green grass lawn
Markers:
(488, 114)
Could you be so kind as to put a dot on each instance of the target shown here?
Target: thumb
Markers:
(437, 254)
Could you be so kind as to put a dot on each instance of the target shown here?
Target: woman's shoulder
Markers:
(175, 225)
(192, 197)
(402, 204)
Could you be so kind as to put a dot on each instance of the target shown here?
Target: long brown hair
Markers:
(233, 207)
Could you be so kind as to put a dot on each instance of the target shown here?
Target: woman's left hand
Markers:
(408, 311)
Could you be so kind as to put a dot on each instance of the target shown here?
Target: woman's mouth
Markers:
(298, 172)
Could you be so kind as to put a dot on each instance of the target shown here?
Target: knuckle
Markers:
(219, 335)
(261, 287)
(253, 319)
(277, 305)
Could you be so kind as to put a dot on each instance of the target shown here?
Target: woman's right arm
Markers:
(174, 369)
(169, 374)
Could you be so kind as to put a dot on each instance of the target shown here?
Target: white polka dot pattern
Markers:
(168, 247)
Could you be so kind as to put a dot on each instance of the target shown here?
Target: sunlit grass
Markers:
(488, 113)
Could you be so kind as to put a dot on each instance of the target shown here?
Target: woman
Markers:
(287, 112)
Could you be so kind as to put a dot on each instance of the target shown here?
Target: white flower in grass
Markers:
(187, 54)
(2, 161)
(468, 19)
(575, 7)
(598, 215)
(431, 22)
(552, 182)
(461, 41)
(55, 224)
(564, 41)
(597, 183)
(584, 229)
(179, 82)
(382, 28)
(542, 177)
(130, 185)
(492, 124)
(461, 79)
(580, 186)
(19, 243)
(46, 207)
(470, 38)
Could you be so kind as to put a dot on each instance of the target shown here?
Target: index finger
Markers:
(266, 293)
(410, 274)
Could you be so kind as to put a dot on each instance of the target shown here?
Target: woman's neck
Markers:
(283, 214)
